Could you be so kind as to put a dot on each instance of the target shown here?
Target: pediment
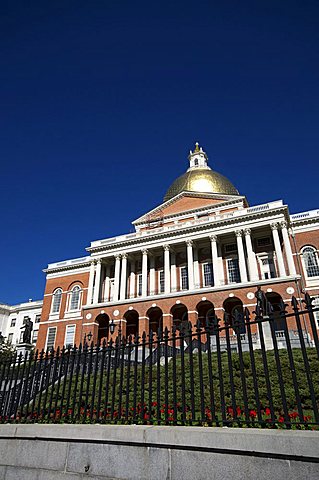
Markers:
(188, 202)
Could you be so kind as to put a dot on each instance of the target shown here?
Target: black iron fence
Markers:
(248, 369)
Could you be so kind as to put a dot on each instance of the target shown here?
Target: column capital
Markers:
(247, 231)
(283, 224)
(274, 226)
(99, 261)
(213, 238)
(189, 243)
(166, 247)
(124, 256)
(144, 251)
(239, 233)
(117, 256)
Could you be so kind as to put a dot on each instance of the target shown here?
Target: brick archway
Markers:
(103, 329)
(132, 322)
(155, 315)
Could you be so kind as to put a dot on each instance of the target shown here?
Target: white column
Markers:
(144, 273)
(241, 256)
(117, 278)
(167, 269)
(173, 272)
(90, 285)
(106, 293)
(279, 256)
(196, 268)
(123, 277)
(216, 271)
(252, 263)
(290, 258)
(190, 264)
(152, 275)
(132, 279)
(97, 286)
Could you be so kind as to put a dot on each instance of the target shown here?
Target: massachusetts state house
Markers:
(204, 248)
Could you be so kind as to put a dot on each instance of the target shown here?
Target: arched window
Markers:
(75, 298)
(56, 300)
(315, 304)
(310, 259)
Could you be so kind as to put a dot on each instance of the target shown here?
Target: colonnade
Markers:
(247, 263)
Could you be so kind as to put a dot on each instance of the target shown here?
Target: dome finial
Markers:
(198, 158)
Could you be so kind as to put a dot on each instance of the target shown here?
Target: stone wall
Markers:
(74, 452)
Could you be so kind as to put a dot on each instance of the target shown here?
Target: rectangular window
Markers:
(267, 267)
(231, 247)
(37, 318)
(184, 278)
(161, 281)
(69, 335)
(35, 336)
(13, 322)
(139, 289)
(10, 337)
(111, 288)
(233, 270)
(263, 242)
(208, 274)
(51, 337)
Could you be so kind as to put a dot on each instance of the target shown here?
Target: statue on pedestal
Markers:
(27, 331)
(263, 307)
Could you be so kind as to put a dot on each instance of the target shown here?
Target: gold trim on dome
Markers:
(203, 181)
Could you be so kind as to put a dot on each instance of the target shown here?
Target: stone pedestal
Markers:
(267, 334)
(24, 349)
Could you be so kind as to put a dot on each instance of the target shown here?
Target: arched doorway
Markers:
(131, 317)
(206, 311)
(103, 330)
(275, 300)
(180, 314)
(155, 316)
(232, 306)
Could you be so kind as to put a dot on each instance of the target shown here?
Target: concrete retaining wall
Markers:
(74, 452)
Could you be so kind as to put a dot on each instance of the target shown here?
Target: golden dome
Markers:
(201, 180)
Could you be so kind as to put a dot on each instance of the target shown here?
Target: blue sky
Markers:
(101, 101)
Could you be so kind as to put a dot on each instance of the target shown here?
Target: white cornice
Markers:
(302, 219)
(183, 230)
(72, 264)
(33, 305)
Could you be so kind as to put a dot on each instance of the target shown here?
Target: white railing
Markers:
(73, 261)
(301, 215)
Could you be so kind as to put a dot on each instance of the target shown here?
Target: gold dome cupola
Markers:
(200, 178)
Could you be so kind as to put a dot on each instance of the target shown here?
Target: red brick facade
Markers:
(86, 321)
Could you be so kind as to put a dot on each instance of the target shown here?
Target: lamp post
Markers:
(87, 337)
(112, 327)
